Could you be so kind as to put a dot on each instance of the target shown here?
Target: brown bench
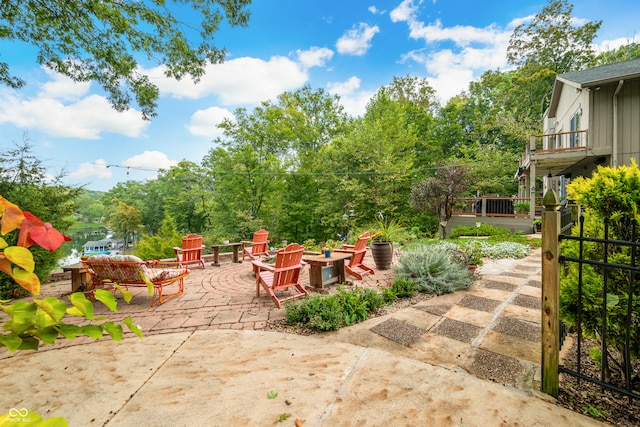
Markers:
(128, 270)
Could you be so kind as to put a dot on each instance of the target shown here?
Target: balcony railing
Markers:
(554, 142)
(514, 207)
(558, 141)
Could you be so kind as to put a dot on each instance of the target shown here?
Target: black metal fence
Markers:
(615, 323)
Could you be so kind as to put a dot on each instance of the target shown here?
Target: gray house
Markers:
(593, 119)
(97, 246)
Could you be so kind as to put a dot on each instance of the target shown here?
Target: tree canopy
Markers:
(99, 40)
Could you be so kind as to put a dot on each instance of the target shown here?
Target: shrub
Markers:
(504, 250)
(388, 295)
(483, 230)
(331, 312)
(433, 270)
(404, 287)
(610, 195)
(521, 207)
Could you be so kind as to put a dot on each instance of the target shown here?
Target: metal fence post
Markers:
(550, 293)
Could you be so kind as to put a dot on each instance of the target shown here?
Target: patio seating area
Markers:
(491, 330)
(478, 348)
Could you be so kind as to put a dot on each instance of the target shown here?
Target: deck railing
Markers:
(558, 141)
(554, 142)
(515, 207)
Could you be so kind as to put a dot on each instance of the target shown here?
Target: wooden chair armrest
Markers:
(263, 266)
(348, 246)
(346, 251)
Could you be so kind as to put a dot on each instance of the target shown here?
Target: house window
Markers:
(574, 124)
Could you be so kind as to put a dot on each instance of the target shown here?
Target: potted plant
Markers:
(329, 246)
(382, 238)
(537, 224)
(473, 250)
(521, 207)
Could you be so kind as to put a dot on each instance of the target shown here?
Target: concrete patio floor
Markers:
(470, 358)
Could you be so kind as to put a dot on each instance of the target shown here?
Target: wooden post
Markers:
(550, 293)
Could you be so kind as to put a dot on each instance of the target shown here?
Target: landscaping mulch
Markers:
(592, 400)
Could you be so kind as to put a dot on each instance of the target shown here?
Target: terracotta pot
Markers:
(382, 253)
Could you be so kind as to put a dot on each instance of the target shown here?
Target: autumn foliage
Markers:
(17, 261)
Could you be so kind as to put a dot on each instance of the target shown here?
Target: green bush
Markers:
(161, 245)
(388, 295)
(433, 270)
(404, 287)
(611, 194)
(483, 230)
(331, 312)
(521, 207)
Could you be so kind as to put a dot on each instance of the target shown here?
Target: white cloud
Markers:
(344, 88)
(352, 99)
(314, 57)
(461, 35)
(205, 122)
(375, 11)
(357, 40)
(404, 11)
(150, 160)
(238, 81)
(99, 169)
(86, 118)
(62, 87)
(470, 51)
(613, 44)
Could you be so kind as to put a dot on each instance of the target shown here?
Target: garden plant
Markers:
(611, 195)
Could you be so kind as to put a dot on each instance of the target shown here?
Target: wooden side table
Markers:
(80, 276)
(216, 252)
(316, 264)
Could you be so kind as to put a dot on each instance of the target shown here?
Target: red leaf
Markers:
(30, 222)
(48, 237)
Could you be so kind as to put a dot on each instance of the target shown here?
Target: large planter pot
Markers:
(382, 253)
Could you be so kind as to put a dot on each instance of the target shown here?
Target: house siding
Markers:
(629, 122)
(569, 102)
(601, 129)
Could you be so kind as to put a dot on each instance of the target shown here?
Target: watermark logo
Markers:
(19, 415)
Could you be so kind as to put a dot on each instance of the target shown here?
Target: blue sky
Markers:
(347, 47)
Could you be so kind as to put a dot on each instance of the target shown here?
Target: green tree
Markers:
(125, 220)
(553, 40)
(26, 182)
(99, 41)
(489, 168)
(161, 245)
(90, 208)
(186, 191)
(626, 52)
(146, 197)
(550, 44)
(314, 119)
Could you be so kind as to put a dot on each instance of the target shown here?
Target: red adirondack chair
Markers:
(191, 250)
(283, 275)
(357, 251)
(258, 246)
